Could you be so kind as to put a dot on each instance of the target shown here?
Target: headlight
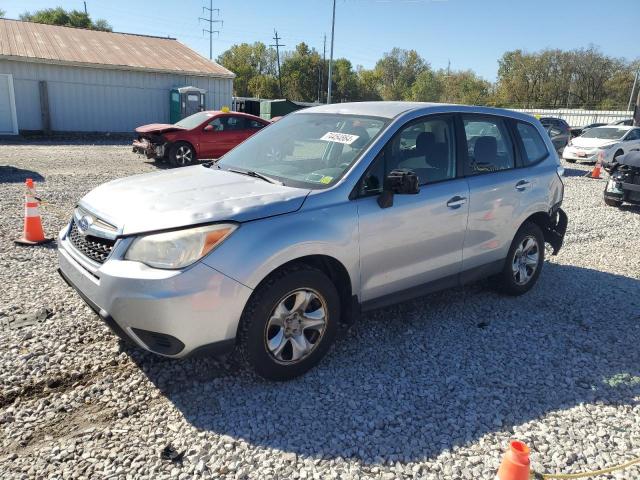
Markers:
(179, 248)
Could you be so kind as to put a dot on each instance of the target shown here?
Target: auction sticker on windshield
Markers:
(337, 137)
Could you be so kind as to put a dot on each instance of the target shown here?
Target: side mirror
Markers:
(402, 181)
(208, 128)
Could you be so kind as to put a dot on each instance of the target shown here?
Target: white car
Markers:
(602, 144)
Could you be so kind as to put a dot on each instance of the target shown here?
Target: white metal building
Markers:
(65, 79)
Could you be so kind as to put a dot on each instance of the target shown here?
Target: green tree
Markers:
(60, 16)
(300, 70)
(464, 87)
(398, 70)
(263, 86)
(428, 87)
(368, 85)
(345, 81)
(2, 13)
(248, 61)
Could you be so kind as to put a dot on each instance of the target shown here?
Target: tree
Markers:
(263, 86)
(368, 85)
(428, 87)
(248, 61)
(345, 81)
(2, 13)
(398, 71)
(60, 16)
(300, 70)
(464, 87)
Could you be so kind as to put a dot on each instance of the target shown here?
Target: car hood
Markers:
(592, 142)
(157, 128)
(188, 196)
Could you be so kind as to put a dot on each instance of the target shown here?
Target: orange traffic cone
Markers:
(515, 463)
(33, 232)
(595, 173)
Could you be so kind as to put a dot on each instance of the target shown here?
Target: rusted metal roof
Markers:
(90, 48)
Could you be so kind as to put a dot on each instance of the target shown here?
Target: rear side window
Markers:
(488, 143)
(534, 146)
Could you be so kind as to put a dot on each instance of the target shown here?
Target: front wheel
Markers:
(182, 154)
(290, 322)
(524, 261)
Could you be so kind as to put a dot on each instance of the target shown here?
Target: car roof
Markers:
(230, 112)
(618, 127)
(392, 109)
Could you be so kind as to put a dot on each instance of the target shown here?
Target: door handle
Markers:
(456, 202)
(522, 185)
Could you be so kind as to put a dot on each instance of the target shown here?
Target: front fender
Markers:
(259, 247)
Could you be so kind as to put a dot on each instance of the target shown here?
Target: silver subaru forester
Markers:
(330, 211)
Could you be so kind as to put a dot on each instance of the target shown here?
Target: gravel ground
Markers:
(432, 388)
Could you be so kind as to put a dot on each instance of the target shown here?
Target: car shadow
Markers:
(11, 174)
(410, 381)
(575, 172)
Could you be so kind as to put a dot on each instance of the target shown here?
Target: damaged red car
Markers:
(208, 134)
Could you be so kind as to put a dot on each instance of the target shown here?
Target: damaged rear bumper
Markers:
(149, 149)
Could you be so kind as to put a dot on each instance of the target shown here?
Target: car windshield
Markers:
(306, 149)
(192, 121)
(605, 133)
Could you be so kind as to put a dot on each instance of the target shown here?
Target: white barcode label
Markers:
(337, 137)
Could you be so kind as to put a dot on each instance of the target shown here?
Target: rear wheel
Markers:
(290, 322)
(182, 154)
(612, 203)
(524, 261)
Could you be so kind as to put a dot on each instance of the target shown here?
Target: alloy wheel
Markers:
(184, 155)
(296, 326)
(525, 260)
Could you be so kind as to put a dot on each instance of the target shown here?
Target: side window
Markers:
(255, 125)
(373, 180)
(633, 135)
(427, 147)
(235, 123)
(218, 124)
(488, 143)
(534, 147)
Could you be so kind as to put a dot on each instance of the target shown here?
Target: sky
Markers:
(470, 34)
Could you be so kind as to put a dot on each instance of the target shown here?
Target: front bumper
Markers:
(169, 312)
(571, 153)
(622, 191)
(149, 149)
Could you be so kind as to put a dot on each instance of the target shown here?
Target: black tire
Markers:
(568, 160)
(613, 203)
(182, 154)
(508, 280)
(256, 330)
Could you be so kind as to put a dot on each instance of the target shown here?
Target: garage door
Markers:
(8, 124)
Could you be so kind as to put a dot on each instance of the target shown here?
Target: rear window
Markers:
(534, 146)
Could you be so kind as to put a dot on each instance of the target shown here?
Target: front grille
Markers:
(95, 248)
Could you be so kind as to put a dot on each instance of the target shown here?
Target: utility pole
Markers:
(278, 45)
(333, 27)
(636, 111)
(324, 61)
(85, 8)
(635, 80)
(211, 21)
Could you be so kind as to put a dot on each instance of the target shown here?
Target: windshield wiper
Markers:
(253, 174)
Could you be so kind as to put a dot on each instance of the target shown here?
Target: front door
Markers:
(226, 133)
(419, 239)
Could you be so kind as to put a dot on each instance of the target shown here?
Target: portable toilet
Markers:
(185, 101)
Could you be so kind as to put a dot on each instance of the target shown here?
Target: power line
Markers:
(211, 21)
(278, 45)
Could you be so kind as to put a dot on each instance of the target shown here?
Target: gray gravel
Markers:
(432, 388)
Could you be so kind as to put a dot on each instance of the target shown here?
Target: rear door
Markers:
(496, 190)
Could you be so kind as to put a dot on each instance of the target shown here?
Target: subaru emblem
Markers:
(85, 222)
